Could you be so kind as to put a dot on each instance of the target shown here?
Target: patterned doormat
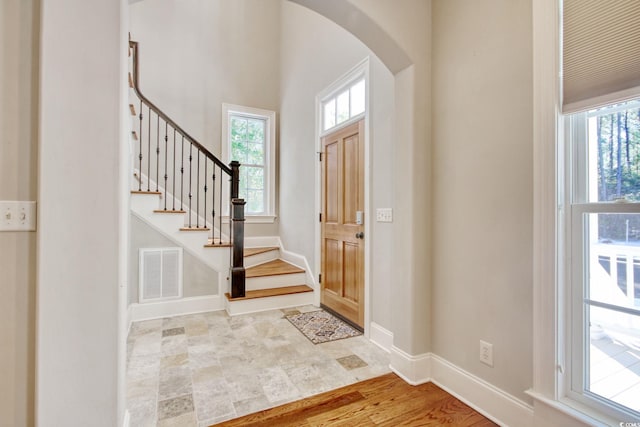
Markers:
(320, 326)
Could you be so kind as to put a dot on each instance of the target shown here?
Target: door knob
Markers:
(360, 235)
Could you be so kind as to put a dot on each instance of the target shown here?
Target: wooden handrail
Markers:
(136, 88)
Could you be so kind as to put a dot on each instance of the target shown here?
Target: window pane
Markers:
(613, 368)
(343, 107)
(239, 151)
(357, 98)
(255, 153)
(330, 114)
(238, 128)
(614, 153)
(255, 202)
(255, 178)
(255, 130)
(614, 259)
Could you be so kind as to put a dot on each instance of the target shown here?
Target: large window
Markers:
(250, 139)
(603, 244)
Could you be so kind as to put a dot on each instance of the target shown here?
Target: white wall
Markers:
(19, 30)
(197, 54)
(315, 53)
(78, 238)
(482, 169)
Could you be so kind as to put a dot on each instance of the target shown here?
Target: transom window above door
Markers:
(344, 106)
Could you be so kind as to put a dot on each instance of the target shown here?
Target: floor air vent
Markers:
(160, 274)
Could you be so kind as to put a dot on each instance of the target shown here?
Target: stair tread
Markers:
(272, 268)
(256, 251)
(216, 244)
(272, 292)
(154, 193)
(169, 211)
(195, 229)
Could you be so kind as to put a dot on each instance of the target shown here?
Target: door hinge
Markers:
(320, 278)
(320, 156)
(320, 217)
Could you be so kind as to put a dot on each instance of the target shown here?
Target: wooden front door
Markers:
(342, 222)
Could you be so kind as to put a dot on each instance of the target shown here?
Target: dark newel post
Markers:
(235, 179)
(237, 221)
(237, 269)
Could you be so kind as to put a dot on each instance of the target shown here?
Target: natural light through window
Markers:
(604, 223)
(344, 106)
(250, 141)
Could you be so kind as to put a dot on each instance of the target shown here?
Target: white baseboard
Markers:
(489, 400)
(380, 337)
(300, 261)
(179, 307)
(415, 370)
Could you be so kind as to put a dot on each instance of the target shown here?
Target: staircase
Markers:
(180, 192)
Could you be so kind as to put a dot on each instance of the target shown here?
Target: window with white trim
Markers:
(249, 138)
(344, 106)
(602, 258)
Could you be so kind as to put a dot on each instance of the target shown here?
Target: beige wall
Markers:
(19, 28)
(483, 187)
(80, 280)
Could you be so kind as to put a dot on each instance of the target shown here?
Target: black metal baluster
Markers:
(220, 215)
(174, 169)
(205, 193)
(213, 204)
(182, 176)
(149, 149)
(165, 165)
(140, 155)
(158, 156)
(190, 175)
(198, 192)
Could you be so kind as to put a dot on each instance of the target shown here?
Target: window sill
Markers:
(254, 219)
(575, 410)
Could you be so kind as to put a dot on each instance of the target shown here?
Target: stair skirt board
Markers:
(247, 306)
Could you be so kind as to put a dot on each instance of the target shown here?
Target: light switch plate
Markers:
(384, 215)
(17, 216)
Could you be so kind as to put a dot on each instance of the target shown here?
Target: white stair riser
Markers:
(276, 281)
(145, 202)
(168, 221)
(235, 308)
(252, 260)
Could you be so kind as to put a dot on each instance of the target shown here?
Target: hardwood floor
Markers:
(381, 401)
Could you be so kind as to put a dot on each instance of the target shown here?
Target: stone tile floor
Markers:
(202, 369)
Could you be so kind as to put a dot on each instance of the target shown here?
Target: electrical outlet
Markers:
(384, 215)
(486, 353)
(17, 216)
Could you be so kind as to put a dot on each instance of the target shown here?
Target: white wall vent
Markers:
(160, 274)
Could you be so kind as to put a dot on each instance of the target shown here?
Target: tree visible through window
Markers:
(604, 222)
(248, 137)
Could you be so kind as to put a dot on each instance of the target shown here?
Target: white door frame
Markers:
(361, 69)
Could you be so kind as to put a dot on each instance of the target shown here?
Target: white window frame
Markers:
(576, 200)
(270, 187)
